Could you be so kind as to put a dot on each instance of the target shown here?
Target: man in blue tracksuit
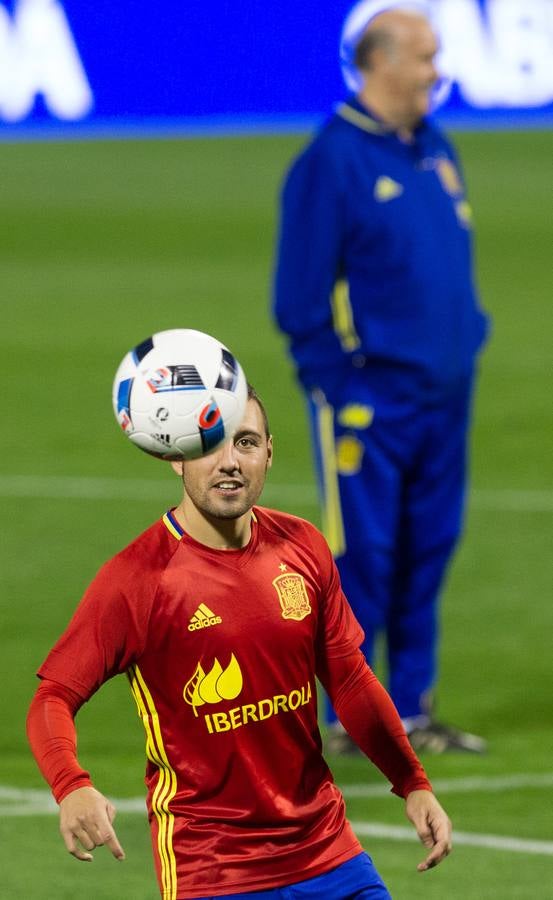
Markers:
(374, 287)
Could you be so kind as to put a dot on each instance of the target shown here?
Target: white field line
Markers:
(77, 487)
(18, 802)
(491, 841)
(477, 784)
(26, 798)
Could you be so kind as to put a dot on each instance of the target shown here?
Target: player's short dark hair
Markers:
(253, 395)
(371, 40)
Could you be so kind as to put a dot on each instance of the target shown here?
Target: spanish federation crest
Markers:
(293, 596)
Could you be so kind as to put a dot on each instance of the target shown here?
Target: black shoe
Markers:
(338, 742)
(438, 738)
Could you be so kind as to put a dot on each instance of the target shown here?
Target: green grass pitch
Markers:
(104, 243)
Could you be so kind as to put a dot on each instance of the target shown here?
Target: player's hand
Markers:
(86, 821)
(432, 824)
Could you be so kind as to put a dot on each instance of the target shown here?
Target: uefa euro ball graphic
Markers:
(179, 394)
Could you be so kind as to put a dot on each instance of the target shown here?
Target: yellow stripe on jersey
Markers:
(170, 527)
(166, 787)
(342, 317)
(333, 524)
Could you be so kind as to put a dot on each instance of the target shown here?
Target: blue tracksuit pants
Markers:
(356, 879)
(392, 481)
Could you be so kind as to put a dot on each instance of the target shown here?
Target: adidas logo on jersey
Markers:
(203, 618)
(387, 189)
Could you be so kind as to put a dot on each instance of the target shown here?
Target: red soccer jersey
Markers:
(221, 651)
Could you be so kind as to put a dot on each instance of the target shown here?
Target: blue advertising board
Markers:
(76, 67)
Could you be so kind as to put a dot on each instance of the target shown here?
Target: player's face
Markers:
(411, 70)
(225, 484)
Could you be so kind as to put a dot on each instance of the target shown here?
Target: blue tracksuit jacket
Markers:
(389, 222)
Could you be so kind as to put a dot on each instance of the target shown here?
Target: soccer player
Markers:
(375, 290)
(222, 614)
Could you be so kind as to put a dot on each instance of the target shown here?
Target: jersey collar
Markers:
(177, 530)
(355, 113)
(172, 525)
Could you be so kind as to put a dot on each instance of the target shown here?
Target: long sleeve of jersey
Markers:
(53, 739)
(371, 719)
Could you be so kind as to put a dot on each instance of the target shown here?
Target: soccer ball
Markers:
(179, 394)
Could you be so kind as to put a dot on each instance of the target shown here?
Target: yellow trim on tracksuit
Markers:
(332, 521)
(361, 120)
(342, 317)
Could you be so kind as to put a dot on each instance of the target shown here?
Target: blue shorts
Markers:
(356, 879)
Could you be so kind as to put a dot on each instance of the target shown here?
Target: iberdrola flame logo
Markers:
(218, 684)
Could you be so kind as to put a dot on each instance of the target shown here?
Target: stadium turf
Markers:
(104, 243)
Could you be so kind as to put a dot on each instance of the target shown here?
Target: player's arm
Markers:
(86, 816)
(308, 263)
(367, 713)
(309, 244)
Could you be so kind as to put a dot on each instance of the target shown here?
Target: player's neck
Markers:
(219, 534)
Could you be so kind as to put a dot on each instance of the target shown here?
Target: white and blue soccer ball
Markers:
(179, 394)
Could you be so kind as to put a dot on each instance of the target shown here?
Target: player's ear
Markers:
(269, 452)
(176, 465)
